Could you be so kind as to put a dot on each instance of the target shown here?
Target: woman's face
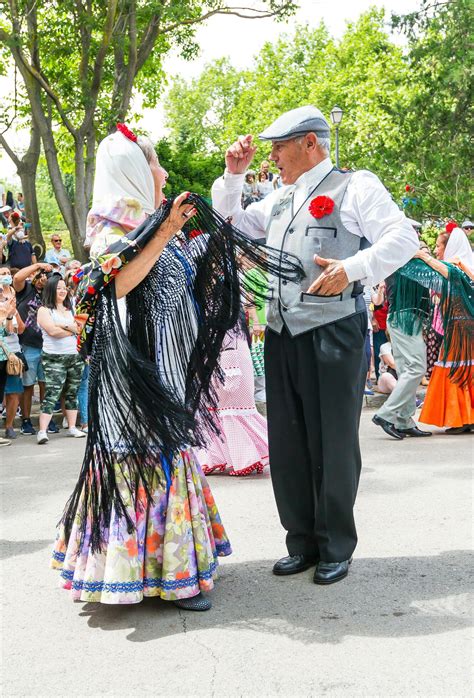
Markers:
(160, 177)
(61, 291)
(440, 248)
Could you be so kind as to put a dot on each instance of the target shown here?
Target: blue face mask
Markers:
(6, 280)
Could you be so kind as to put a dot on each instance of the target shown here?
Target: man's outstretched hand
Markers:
(333, 279)
(240, 154)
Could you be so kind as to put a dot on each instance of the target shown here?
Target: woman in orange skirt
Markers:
(450, 403)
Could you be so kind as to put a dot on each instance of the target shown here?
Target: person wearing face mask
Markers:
(11, 328)
(20, 250)
(6, 316)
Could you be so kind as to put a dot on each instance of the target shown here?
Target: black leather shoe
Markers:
(388, 427)
(293, 564)
(330, 572)
(415, 431)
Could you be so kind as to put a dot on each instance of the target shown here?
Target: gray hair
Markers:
(324, 143)
(147, 147)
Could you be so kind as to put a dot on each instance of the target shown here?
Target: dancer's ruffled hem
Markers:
(171, 554)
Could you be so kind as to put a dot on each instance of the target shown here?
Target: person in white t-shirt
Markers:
(61, 362)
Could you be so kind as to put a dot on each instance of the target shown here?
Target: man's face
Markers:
(56, 240)
(265, 166)
(468, 230)
(40, 280)
(291, 159)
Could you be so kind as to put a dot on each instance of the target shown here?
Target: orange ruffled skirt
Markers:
(446, 403)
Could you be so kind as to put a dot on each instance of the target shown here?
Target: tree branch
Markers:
(9, 151)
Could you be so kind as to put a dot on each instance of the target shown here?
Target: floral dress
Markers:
(172, 549)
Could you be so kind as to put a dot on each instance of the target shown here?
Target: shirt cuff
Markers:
(233, 181)
(355, 268)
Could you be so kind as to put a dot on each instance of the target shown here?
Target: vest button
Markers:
(284, 282)
(285, 309)
(291, 230)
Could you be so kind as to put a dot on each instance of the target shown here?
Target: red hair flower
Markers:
(123, 128)
(321, 206)
(407, 187)
(450, 225)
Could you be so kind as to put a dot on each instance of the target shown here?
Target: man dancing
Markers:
(347, 232)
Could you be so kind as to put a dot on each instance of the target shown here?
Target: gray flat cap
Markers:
(296, 123)
(468, 224)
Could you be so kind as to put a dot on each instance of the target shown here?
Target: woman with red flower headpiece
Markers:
(155, 304)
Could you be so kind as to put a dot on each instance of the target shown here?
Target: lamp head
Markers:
(336, 115)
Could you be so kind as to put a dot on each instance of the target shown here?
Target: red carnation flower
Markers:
(321, 206)
(450, 225)
(123, 128)
(407, 187)
(91, 290)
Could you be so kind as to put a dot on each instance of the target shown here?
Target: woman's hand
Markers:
(257, 329)
(179, 215)
(423, 255)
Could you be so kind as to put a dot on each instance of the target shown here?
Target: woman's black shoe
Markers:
(194, 603)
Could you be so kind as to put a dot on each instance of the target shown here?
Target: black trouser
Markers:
(315, 385)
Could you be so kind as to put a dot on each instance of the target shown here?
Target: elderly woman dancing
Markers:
(155, 304)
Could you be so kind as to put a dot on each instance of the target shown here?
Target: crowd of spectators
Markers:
(37, 326)
(257, 185)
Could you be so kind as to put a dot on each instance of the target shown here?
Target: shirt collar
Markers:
(310, 179)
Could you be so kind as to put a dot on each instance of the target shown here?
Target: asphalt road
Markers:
(399, 625)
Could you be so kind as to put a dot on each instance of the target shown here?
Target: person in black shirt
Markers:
(28, 299)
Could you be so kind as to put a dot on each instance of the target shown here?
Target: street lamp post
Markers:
(336, 118)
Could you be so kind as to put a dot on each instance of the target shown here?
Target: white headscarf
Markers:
(122, 171)
(459, 248)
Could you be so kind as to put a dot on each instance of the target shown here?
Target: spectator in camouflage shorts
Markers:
(61, 362)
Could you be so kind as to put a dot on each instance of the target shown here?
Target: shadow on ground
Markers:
(382, 597)
(13, 548)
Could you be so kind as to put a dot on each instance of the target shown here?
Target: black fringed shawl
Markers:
(418, 290)
(150, 388)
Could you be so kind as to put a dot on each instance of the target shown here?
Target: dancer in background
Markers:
(241, 446)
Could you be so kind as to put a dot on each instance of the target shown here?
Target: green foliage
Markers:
(187, 170)
(405, 114)
(49, 213)
(429, 235)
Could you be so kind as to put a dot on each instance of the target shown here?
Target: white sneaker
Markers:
(5, 442)
(76, 433)
(42, 437)
(65, 424)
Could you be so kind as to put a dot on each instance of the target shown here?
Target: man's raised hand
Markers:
(240, 154)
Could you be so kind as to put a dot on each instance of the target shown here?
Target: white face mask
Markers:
(5, 280)
(20, 235)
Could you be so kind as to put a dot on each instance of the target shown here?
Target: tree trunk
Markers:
(27, 169)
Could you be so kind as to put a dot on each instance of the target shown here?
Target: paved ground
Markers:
(398, 626)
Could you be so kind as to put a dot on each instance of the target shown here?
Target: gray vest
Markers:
(303, 235)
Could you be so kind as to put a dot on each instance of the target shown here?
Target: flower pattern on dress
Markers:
(172, 552)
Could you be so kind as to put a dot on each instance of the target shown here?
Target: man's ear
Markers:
(311, 141)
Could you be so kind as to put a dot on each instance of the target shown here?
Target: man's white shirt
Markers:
(367, 210)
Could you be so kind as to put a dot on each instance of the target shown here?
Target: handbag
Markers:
(256, 352)
(15, 365)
